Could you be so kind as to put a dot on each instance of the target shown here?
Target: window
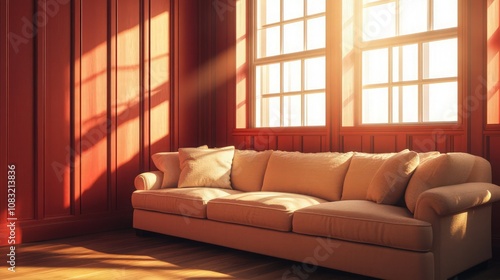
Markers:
(290, 63)
(403, 57)
(409, 61)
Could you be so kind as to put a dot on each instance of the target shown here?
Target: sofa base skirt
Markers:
(364, 259)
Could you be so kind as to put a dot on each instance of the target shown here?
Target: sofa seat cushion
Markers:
(366, 222)
(189, 202)
(271, 210)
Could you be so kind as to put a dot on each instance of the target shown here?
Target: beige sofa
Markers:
(403, 215)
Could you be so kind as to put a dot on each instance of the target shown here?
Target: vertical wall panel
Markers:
(422, 143)
(92, 141)
(3, 111)
(494, 158)
(57, 66)
(20, 104)
(351, 143)
(187, 67)
(128, 101)
(286, 143)
(261, 142)
(384, 143)
(311, 144)
(160, 61)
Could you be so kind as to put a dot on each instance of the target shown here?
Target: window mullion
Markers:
(430, 15)
(422, 68)
(389, 88)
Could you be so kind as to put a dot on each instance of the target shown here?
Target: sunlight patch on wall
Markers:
(493, 116)
(493, 67)
(241, 64)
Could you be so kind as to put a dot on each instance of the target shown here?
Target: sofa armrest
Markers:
(148, 180)
(453, 199)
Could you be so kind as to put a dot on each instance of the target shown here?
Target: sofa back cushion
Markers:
(168, 163)
(446, 169)
(249, 167)
(206, 167)
(316, 174)
(388, 185)
(361, 171)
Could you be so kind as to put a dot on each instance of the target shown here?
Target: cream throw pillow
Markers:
(316, 174)
(168, 163)
(249, 167)
(205, 167)
(389, 183)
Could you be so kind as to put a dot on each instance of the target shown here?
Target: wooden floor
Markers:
(123, 255)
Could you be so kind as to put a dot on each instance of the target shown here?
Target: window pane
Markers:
(395, 64)
(315, 114)
(440, 59)
(375, 66)
(379, 21)
(268, 42)
(410, 62)
(292, 76)
(293, 9)
(293, 40)
(445, 14)
(375, 106)
(395, 104)
(413, 16)
(315, 73)
(291, 110)
(441, 102)
(268, 78)
(268, 12)
(271, 112)
(316, 34)
(410, 103)
(315, 7)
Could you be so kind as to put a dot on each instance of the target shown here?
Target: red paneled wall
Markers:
(92, 88)
(87, 95)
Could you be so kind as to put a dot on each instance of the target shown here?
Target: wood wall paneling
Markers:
(493, 148)
(351, 143)
(4, 43)
(92, 143)
(384, 143)
(54, 85)
(87, 100)
(160, 59)
(128, 100)
(186, 88)
(21, 102)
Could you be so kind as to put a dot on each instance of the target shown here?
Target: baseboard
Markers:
(48, 229)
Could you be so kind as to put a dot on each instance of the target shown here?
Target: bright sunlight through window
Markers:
(409, 63)
(290, 63)
(405, 56)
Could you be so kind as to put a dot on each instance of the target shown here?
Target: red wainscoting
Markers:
(87, 95)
